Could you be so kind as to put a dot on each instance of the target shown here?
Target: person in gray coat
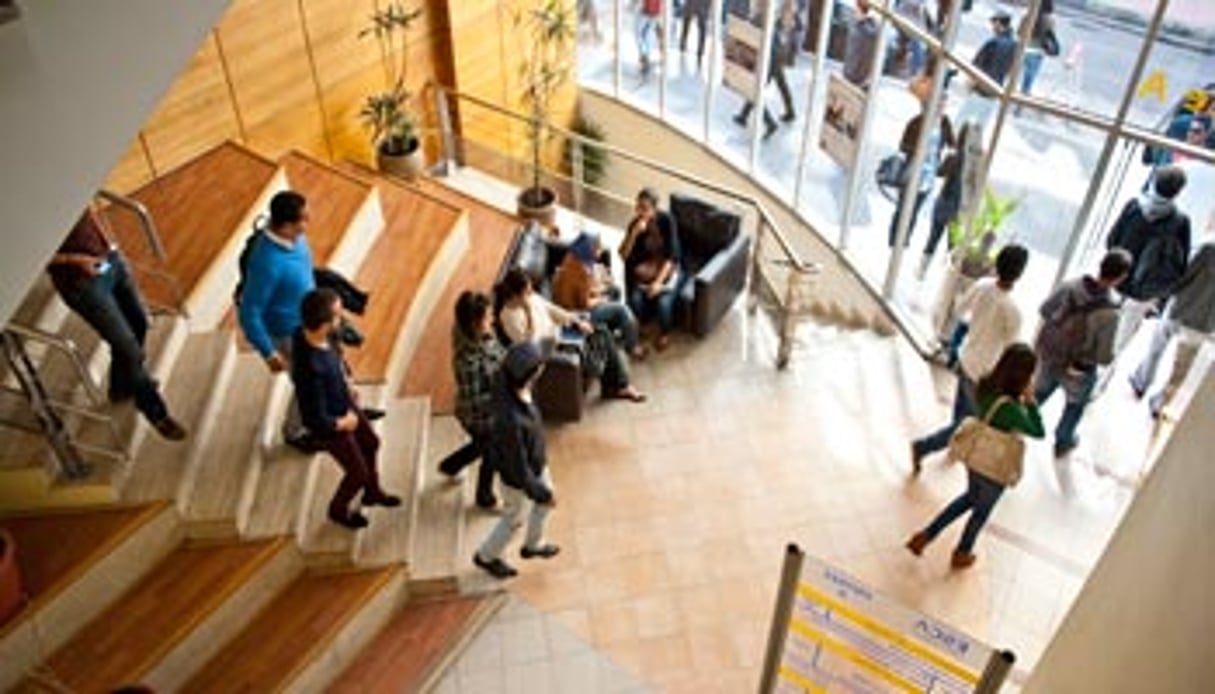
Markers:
(1191, 317)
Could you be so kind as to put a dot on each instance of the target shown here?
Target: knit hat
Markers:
(521, 362)
(1169, 181)
(1002, 16)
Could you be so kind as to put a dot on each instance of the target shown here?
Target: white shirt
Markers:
(542, 323)
(995, 323)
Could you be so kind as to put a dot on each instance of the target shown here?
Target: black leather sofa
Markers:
(715, 255)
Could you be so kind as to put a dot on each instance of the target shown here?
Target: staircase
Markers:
(214, 567)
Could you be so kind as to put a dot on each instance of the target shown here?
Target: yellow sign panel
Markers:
(1157, 85)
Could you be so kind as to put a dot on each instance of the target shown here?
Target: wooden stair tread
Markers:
(491, 231)
(334, 199)
(415, 645)
(196, 207)
(136, 631)
(195, 379)
(402, 450)
(416, 229)
(219, 467)
(56, 547)
(289, 632)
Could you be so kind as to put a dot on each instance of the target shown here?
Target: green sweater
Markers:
(1014, 416)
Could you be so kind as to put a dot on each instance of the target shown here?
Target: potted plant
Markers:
(975, 244)
(594, 159)
(386, 114)
(547, 30)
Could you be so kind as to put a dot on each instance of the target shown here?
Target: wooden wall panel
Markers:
(196, 114)
(271, 75)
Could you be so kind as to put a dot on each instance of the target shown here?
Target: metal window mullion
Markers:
(617, 70)
(813, 103)
(1111, 140)
(761, 79)
(850, 188)
(711, 66)
(664, 57)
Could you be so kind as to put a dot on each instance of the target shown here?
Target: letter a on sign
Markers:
(1157, 85)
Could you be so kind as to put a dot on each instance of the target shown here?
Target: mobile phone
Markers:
(102, 266)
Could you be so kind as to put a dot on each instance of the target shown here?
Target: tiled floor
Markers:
(673, 514)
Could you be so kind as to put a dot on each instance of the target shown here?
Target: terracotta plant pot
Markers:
(12, 597)
(407, 165)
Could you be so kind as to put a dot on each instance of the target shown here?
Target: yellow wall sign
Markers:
(1155, 84)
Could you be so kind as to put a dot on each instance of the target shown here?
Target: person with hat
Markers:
(518, 453)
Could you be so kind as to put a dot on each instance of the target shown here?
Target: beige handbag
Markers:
(997, 455)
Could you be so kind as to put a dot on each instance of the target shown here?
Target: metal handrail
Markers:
(67, 347)
(146, 225)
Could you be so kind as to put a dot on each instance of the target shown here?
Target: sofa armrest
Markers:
(560, 390)
(718, 284)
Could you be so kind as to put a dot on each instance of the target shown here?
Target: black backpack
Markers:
(243, 259)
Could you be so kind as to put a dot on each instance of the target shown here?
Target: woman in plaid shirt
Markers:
(475, 359)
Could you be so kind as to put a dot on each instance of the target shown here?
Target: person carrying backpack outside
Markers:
(1006, 404)
(1191, 316)
(1079, 324)
(1157, 235)
(995, 323)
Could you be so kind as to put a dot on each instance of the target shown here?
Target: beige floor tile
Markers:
(665, 658)
(657, 615)
(612, 622)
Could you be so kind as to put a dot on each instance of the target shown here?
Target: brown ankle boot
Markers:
(962, 560)
(917, 543)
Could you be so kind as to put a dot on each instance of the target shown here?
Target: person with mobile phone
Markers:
(94, 280)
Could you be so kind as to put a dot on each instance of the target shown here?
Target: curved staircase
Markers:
(211, 566)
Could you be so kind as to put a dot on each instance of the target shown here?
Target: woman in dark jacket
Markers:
(652, 255)
(476, 355)
(1007, 389)
(517, 451)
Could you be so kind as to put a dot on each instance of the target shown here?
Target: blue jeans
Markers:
(646, 26)
(1077, 388)
(1029, 71)
(963, 406)
(660, 307)
(617, 318)
(110, 303)
(979, 498)
(514, 503)
(1146, 373)
(915, 212)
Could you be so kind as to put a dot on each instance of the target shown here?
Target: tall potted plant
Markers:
(975, 244)
(386, 114)
(547, 30)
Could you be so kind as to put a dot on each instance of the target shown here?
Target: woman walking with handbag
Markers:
(991, 448)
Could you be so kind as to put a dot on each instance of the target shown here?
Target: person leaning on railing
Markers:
(95, 281)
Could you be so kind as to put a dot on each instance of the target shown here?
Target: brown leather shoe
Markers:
(917, 543)
(962, 560)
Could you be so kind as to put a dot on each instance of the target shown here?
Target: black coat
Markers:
(516, 446)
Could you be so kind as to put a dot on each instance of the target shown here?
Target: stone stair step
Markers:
(204, 210)
(438, 525)
(217, 472)
(403, 449)
(328, 617)
(74, 563)
(173, 619)
(419, 644)
(200, 376)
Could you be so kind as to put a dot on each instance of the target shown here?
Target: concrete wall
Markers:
(1145, 621)
(77, 79)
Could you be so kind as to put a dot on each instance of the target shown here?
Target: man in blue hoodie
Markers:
(276, 276)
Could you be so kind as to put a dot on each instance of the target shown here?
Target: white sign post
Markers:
(832, 633)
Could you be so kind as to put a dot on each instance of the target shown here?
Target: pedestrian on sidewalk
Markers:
(1079, 324)
(517, 451)
(330, 409)
(1191, 317)
(476, 356)
(1006, 404)
(649, 29)
(995, 323)
(93, 279)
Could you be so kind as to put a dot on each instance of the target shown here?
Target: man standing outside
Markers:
(1079, 324)
(995, 323)
(95, 281)
(994, 58)
(276, 277)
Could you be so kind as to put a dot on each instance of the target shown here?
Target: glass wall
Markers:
(1044, 85)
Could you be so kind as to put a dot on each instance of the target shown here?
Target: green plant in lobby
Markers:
(547, 30)
(386, 114)
(976, 242)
